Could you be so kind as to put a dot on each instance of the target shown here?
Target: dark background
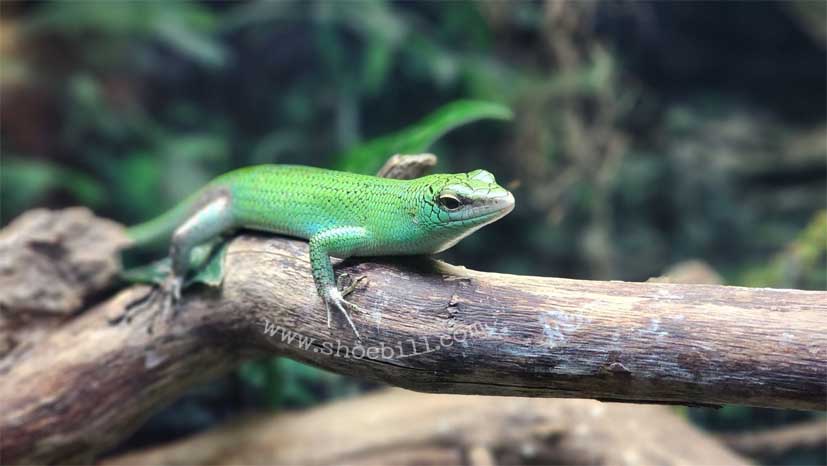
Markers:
(645, 134)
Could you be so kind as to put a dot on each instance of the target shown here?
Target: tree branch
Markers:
(449, 429)
(78, 388)
(87, 384)
(771, 444)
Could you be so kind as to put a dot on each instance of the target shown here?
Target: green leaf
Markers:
(206, 262)
(153, 273)
(187, 27)
(211, 268)
(198, 46)
(25, 181)
(368, 157)
(136, 182)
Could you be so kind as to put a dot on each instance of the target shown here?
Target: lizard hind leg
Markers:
(211, 216)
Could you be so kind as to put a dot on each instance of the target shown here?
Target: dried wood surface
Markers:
(75, 385)
(400, 427)
(770, 445)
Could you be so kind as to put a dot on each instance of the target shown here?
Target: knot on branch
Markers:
(51, 261)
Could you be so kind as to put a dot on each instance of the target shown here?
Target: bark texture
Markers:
(74, 386)
(769, 446)
(50, 264)
(406, 428)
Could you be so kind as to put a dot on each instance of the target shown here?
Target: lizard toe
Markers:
(334, 297)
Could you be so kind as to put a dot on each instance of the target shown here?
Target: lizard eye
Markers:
(449, 202)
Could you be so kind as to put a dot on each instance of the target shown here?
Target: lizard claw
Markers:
(332, 297)
(131, 307)
(169, 292)
(172, 291)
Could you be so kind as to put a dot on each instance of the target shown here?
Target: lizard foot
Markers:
(134, 306)
(169, 293)
(333, 298)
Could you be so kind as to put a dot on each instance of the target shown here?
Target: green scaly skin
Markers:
(340, 214)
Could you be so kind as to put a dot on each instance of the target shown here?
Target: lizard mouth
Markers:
(491, 209)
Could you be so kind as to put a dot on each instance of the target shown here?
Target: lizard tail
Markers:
(160, 228)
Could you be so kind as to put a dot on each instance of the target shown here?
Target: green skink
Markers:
(341, 214)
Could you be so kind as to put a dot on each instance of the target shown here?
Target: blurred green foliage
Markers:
(25, 181)
(416, 139)
(643, 134)
(284, 382)
(799, 265)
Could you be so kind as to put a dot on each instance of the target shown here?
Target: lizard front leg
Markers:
(340, 242)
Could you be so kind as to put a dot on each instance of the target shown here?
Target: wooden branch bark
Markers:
(79, 386)
(88, 383)
(450, 429)
(772, 444)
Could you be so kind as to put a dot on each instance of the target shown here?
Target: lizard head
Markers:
(454, 206)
